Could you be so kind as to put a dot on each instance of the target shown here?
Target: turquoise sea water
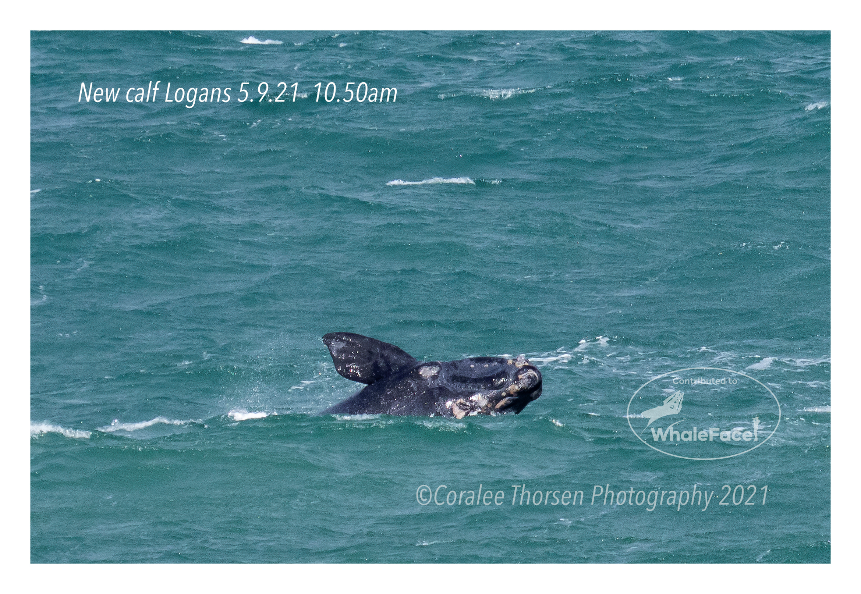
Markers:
(615, 206)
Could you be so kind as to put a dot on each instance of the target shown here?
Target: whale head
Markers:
(497, 386)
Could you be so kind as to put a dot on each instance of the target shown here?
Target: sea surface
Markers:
(614, 205)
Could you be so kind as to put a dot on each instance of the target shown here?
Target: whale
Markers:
(398, 384)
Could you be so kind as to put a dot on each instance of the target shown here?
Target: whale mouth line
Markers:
(491, 403)
(525, 388)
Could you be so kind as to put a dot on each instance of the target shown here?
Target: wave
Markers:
(764, 364)
(817, 409)
(244, 415)
(303, 384)
(251, 40)
(130, 427)
(494, 94)
(37, 429)
(442, 424)
(599, 340)
(807, 362)
(34, 301)
(433, 180)
(551, 358)
(116, 427)
(817, 105)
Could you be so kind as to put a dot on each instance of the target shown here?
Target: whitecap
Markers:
(37, 429)
(563, 358)
(251, 40)
(817, 105)
(764, 364)
(494, 94)
(244, 415)
(129, 427)
(39, 300)
(807, 362)
(433, 180)
(601, 341)
(817, 409)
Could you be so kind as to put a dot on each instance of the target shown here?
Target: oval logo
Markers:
(703, 413)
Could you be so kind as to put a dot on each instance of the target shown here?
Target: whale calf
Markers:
(398, 384)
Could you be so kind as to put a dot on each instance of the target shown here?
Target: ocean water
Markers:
(615, 205)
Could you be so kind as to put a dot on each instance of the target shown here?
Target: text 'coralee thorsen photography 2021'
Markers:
(696, 497)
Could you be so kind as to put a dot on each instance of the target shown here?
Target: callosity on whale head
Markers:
(490, 385)
(398, 384)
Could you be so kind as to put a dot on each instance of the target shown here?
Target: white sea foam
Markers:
(433, 180)
(129, 427)
(40, 300)
(817, 409)
(494, 94)
(806, 362)
(37, 429)
(817, 105)
(243, 415)
(561, 358)
(358, 417)
(600, 341)
(764, 364)
(442, 424)
(251, 40)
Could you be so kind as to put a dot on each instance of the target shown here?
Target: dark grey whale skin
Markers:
(398, 384)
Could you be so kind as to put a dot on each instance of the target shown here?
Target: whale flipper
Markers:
(364, 359)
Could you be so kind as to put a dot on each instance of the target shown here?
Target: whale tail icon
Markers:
(672, 405)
